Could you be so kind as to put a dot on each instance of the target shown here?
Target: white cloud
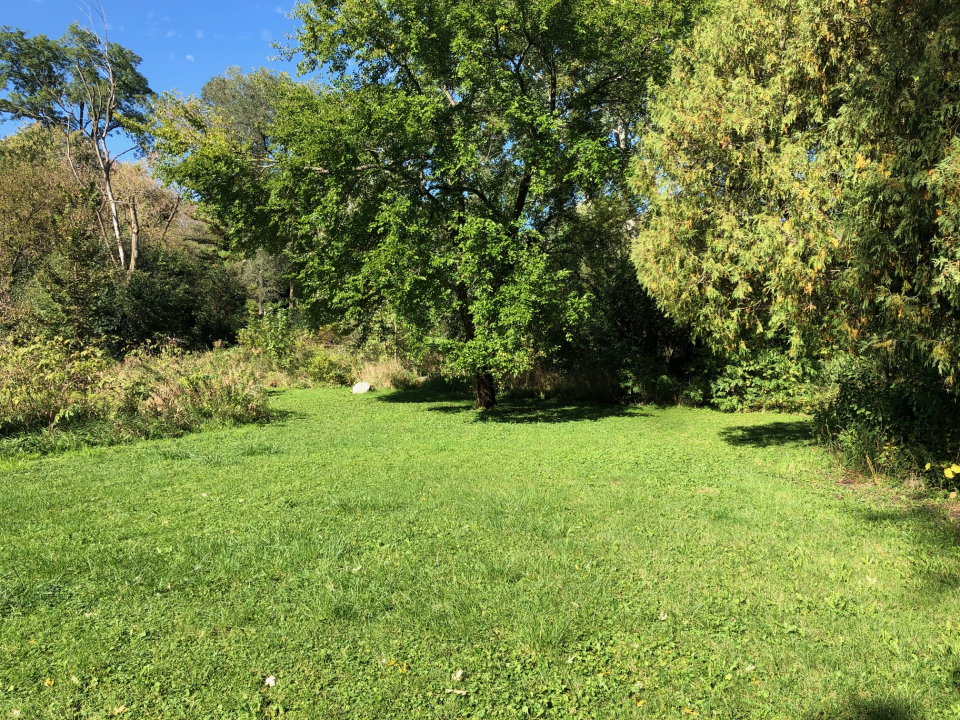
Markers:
(279, 10)
(190, 58)
(266, 35)
(199, 34)
(172, 33)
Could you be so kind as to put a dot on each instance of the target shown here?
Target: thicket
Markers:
(59, 278)
(54, 394)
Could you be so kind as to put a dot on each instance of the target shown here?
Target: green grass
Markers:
(571, 561)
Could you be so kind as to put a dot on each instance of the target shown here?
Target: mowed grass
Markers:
(600, 562)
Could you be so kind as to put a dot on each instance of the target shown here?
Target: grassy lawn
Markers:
(571, 562)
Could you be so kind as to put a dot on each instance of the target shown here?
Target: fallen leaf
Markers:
(457, 692)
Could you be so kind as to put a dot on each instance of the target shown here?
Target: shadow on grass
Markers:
(511, 411)
(795, 432)
(425, 395)
(546, 411)
(858, 709)
(104, 434)
(934, 535)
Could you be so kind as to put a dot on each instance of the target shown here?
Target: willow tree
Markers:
(458, 165)
(803, 176)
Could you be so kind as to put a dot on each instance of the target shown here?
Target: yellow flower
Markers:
(948, 473)
(48, 682)
(955, 468)
(121, 709)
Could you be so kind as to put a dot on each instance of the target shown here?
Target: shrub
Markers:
(174, 392)
(896, 424)
(49, 387)
(46, 382)
(768, 379)
(269, 334)
(327, 368)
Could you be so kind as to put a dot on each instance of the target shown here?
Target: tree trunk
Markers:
(486, 394)
(134, 236)
(114, 213)
(260, 290)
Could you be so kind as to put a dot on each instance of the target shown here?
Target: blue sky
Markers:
(183, 44)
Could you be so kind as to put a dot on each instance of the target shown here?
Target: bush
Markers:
(46, 383)
(290, 355)
(897, 424)
(47, 386)
(173, 392)
(768, 379)
(271, 335)
(326, 368)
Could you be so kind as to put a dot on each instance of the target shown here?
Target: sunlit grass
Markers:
(572, 561)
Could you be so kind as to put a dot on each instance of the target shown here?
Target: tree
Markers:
(803, 176)
(455, 171)
(85, 85)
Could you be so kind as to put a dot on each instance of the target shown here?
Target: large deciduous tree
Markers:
(86, 86)
(803, 176)
(461, 167)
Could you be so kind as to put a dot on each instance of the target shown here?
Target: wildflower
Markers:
(270, 681)
(119, 710)
(48, 682)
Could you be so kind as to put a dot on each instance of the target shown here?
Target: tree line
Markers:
(729, 200)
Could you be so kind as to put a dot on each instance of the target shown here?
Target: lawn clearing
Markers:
(353, 559)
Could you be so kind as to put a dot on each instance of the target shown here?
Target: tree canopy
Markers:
(803, 175)
(460, 167)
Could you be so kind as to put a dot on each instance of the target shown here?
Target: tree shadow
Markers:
(520, 412)
(511, 411)
(859, 709)
(933, 532)
(794, 432)
(422, 395)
